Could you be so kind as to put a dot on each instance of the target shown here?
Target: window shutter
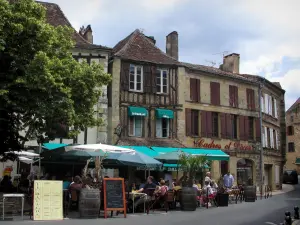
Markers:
(223, 125)
(275, 108)
(147, 79)
(271, 108)
(158, 128)
(188, 122)
(215, 93)
(266, 104)
(236, 96)
(248, 98)
(231, 95)
(209, 124)
(278, 140)
(246, 135)
(262, 104)
(229, 126)
(275, 140)
(252, 99)
(242, 127)
(203, 124)
(263, 138)
(258, 130)
(198, 99)
(125, 76)
(266, 137)
(192, 89)
(154, 74)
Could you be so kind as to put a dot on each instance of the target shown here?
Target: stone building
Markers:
(143, 96)
(293, 137)
(222, 111)
(84, 50)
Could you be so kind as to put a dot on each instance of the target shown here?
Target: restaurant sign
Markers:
(231, 145)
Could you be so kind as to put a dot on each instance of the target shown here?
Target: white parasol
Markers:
(101, 147)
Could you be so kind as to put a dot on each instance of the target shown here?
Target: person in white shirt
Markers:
(214, 186)
(208, 177)
(228, 180)
(207, 188)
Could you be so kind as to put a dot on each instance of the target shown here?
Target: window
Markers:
(162, 128)
(250, 99)
(292, 119)
(194, 122)
(215, 93)
(135, 126)
(262, 102)
(233, 96)
(268, 138)
(136, 78)
(274, 139)
(194, 90)
(290, 130)
(291, 147)
(215, 124)
(162, 81)
(234, 126)
(251, 128)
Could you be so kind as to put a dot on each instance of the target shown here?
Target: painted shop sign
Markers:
(201, 143)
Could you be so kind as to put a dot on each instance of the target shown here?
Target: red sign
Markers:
(231, 145)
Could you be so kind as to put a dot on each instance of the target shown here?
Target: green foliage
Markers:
(191, 164)
(41, 85)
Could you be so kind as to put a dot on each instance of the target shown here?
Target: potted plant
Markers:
(190, 164)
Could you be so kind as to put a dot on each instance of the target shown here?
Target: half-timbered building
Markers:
(143, 96)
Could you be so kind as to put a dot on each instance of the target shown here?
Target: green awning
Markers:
(167, 165)
(164, 113)
(143, 149)
(297, 161)
(52, 146)
(137, 111)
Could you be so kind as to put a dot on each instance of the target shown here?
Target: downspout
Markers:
(261, 141)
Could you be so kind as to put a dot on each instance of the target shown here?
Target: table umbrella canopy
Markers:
(24, 154)
(132, 159)
(102, 147)
(83, 154)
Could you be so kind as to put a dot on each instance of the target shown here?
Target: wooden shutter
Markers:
(223, 125)
(209, 124)
(252, 99)
(125, 76)
(147, 77)
(236, 96)
(271, 138)
(203, 124)
(188, 122)
(258, 130)
(198, 99)
(215, 93)
(275, 108)
(192, 89)
(231, 95)
(266, 104)
(154, 72)
(229, 126)
(266, 137)
(246, 133)
(242, 127)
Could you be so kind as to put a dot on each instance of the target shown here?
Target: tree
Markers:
(190, 164)
(41, 85)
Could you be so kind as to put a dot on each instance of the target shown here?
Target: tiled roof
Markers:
(56, 17)
(257, 78)
(296, 103)
(148, 142)
(213, 70)
(138, 47)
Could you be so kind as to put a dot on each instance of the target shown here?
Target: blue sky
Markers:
(265, 33)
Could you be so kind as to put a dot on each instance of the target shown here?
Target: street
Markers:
(266, 211)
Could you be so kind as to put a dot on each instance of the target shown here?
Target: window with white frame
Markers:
(136, 78)
(135, 126)
(162, 81)
(162, 128)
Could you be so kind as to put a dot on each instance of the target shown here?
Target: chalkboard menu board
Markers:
(114, 195)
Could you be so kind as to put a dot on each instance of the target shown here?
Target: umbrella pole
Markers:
(145, 173)
(40, 150)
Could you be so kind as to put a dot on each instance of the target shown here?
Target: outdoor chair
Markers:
(206, 199)
(158, 200)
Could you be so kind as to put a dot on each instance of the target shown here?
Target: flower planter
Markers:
(89, 203)
(188, 201)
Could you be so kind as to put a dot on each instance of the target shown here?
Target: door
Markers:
(266, 177)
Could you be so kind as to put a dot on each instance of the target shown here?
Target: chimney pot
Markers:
(87, 33)
(231, 63)
(172, 44)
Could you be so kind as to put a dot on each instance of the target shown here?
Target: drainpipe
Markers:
(261, 141)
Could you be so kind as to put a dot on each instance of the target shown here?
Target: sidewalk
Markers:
(285, 188)
(297, 222)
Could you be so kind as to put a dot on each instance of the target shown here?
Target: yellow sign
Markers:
(48, 200)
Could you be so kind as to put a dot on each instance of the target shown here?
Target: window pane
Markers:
(139, 70)
(131, 70)
(158, 74)
(164, 89)
(165, 74)
(131, 85)
(158, 81)
(164, 81)
(158, 128)
(138, 86)
(138, 126)
(165, 127)
(132, 77)
(138, 78)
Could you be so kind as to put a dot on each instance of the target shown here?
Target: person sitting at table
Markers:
(214, 185)
(149, 186)
(195, 185)
(161, 189)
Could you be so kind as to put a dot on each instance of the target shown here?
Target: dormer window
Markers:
(136, 78)
(162, 81)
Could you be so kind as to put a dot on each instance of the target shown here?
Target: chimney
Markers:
(87, 33)
(172, 45)
(231, 63)
(152, 39)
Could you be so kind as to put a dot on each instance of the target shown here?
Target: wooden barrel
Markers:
(250, 193)
(188, 200)
(89, 203)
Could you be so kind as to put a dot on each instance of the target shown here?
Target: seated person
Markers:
(149, 186)
(195, 185)
(162, 189)
(214, 186)
(207, 189)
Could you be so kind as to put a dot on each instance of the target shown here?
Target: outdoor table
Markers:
(13, 196)
(142, 195)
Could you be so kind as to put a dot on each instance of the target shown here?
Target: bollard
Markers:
(288, 218)
(296, 213)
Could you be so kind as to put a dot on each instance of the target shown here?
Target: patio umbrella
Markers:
(102, 147)
(133, 159)
(24, 154)
(170, 157)
(82, 154)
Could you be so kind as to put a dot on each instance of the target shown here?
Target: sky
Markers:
(265, 33)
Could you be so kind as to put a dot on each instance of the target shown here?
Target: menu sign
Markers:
(48, 200)
(114, 195)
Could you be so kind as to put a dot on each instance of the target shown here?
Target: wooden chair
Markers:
(171, 199)
(158, 200)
